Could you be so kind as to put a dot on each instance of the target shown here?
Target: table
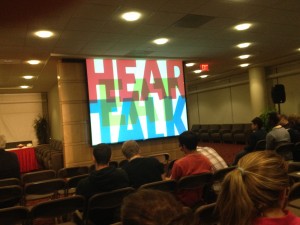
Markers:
(27, 159)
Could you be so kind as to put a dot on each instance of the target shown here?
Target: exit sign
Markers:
(204, 67)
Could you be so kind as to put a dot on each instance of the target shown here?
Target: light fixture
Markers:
(24, 86)
(244, 56)
(44, 34)
(131, 16)
(33, 62)
(197, 71)
(244, 65)
(203, 76)
(28, 77)
(161, 41)
(189, 64)
(244, 45)
(243, 26)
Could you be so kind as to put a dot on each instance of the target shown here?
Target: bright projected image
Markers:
(135, 99)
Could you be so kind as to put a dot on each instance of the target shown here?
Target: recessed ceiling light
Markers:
(34, 62)
(243, 26)
(131, 16)
(204, 76)
(44, 34)
(244, 65)
(189, 64)
(28, 77)
(197, 71)
(244, 56)
(24, 86)
(244, 45)
(161, 41)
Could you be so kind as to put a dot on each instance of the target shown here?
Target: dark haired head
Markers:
(273, 119)
(257, 121)
(102, 154)
(188, 139)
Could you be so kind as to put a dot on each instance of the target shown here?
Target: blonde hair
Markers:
(130, 149)
(2, 141)
(255, 186)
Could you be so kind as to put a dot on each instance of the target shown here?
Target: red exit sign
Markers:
(204, 67)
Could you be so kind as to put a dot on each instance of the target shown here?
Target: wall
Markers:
(54, 114)
(17, 114)
(228, 100)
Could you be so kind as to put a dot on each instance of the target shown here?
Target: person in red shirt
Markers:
(256, 192)
(192, 163)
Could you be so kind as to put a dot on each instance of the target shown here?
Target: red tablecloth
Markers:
(26, 158)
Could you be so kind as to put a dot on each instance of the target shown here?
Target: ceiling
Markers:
(199, 31)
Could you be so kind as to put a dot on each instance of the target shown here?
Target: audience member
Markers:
(104, 178)
(140, 170)
(294, 133)
(9, 163)
(153, 207)
(216, 160)
(278, 135)
(192, 163)
(256, 192)
(258, 133)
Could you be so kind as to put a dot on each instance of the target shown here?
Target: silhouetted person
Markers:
(9, 163)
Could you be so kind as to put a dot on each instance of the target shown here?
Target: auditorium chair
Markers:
(241, 137)
(38, 176)
(104, 208)
(195, 128)
(260, 145)
(202, 132)
(213, 128)
(294, 196)
(10, 195)
(235, 129)
(10, 181)
(207, 214)
(164, 185)
(198, 181)
(68, 172)
(217, 135)
(58, 210)
(218, 177)
(72, 183)
(285, 150)
(14, 215)
(42, 190)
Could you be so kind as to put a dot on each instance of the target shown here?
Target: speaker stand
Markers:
(279, 108)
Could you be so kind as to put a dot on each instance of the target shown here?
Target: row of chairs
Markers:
(227, 133)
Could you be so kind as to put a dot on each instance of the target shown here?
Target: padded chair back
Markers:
(219, 175)
(194, 181)
(72, 183)
(60, 209)
(14, 215)
(165, 185)
(285, 150)
(260, 145)
(68, 172)
(38, 176)
(293, 167)
(10, 195)
(162, 157)
(9, 181)
(207, 214)
(105, 206)
(43, 189)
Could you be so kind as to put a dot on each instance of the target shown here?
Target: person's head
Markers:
(130, 149)
(188, 140)
(283, 119)
(257, 123)
(154, 207)
(273, 119)
(102, 154)
(2, 141)
(259, 184)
